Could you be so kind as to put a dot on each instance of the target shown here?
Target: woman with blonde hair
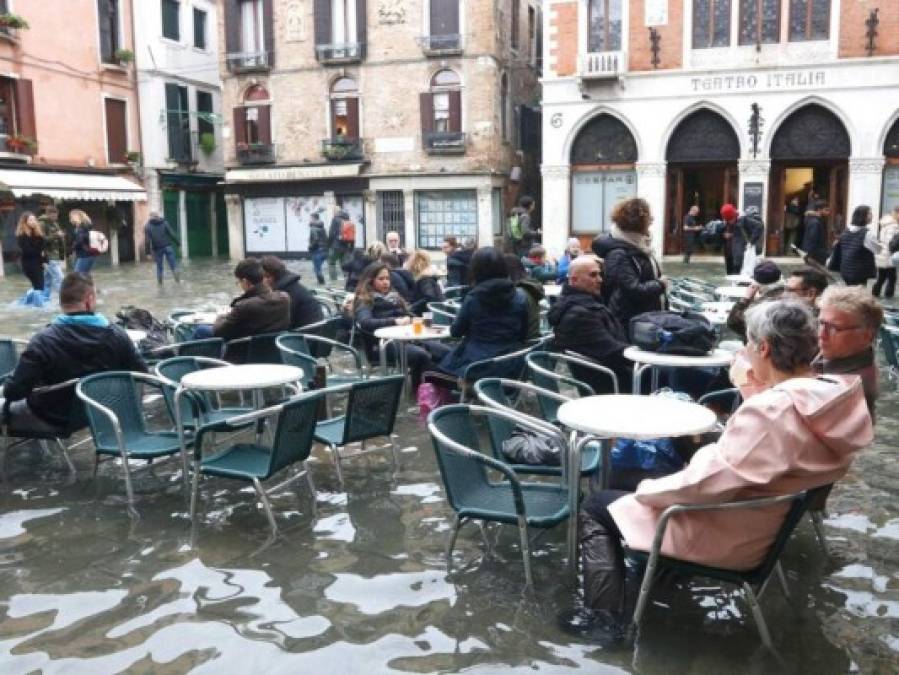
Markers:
(30, 239)
(84, 259)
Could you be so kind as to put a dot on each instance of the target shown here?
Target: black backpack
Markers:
(141, 319)
(685, 333)
(894, 243)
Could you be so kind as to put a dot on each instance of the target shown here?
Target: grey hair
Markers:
(788, 326)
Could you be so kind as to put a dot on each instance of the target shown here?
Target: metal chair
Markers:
(511, 366)
(297, 349)
(328, 329)
(541, 367)
(471, 493)
(371, 409)
(253, 349)
(10, 350)
(444, 313)
(753, 582)
(115, 413)
(254, 463)
(455, 292)
(889, 343)
(211, 348)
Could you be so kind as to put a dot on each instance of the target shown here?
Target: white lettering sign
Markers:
(288, 173)
(788, 80)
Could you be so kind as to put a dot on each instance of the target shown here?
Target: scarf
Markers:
(642, 242)
(82, 319)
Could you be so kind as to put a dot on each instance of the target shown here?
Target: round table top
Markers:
(717, 357)
(199, 317)
(637, 417)
(734, 292)
(717, 312)
(402, 333)
(247, 376)
(135, 334)
(552, 290)
(738, 279)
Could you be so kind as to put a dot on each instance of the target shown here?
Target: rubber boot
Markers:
(601, 566)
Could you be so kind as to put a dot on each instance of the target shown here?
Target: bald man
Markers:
(582, 323)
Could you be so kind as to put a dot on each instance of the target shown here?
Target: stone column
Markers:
(865, 183)
(234, 208)
(485, 215)
(182, 224)
(114, 243)
(370, 209)
(651, 187)
(555, 211)
(409, 217)
(756, 171)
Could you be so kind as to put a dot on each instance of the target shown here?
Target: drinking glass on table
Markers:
(427, 318)
(417, 325)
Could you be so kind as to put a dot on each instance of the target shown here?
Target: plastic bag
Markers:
(656, 454)
(750, 258)
(430, 397)
(526, 447)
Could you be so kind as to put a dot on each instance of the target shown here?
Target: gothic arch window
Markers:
(703, 136)
(345, 109)
(252, 120)
(442, 105)
(256, 93)
(812, 132)
(891, 144)
(604, 140)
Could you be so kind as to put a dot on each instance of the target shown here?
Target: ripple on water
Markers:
(11, 523)
(389, 591)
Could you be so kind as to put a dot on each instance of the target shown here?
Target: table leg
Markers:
(258, 405)
(404, 369)
(382, 352)
(179, 426)
(635, 379)
(654, 379)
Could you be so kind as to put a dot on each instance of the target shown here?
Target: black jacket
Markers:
(457, 264)
(417, 293)
(814, 237)
(630, 285)
(62, 352)
(583, 324)
(257, 311)
(851, 259)
(31, 248)
(158, 234)
(383, 312)
(746, 226)
(353, 268)
(402, 281)
(318, 238)
(533, 293)
(81, 242)
(304, 308)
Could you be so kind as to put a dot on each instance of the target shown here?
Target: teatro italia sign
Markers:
(790, 79)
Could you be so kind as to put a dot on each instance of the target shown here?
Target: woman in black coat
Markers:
(30, 239)
(853, 254)
(632, 279)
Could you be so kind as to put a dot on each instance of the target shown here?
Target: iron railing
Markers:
(338, 149)
(256, 153)
(444, 142)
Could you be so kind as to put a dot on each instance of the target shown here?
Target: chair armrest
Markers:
(336, 344)
(582, 361)
(240, 420)
(50, 388)
(523, 386)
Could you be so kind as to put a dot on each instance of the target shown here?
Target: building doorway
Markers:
(702, 159)
(809, 162)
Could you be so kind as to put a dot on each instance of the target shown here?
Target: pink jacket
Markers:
(796, 435)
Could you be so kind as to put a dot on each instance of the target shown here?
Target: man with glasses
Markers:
(582, 323)
(806, 284)
(847, 325)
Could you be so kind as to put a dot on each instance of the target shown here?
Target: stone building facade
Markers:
(683, 102)
(408, 115)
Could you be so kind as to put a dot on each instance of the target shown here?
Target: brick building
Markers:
(705, 102)
(408, 115)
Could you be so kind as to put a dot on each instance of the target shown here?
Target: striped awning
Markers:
(69, 185)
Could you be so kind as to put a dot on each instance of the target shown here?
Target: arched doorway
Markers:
(602, 174)
(702, 156)
(809, 160)
(890, 192)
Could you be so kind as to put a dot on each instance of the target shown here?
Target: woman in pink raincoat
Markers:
(794, 431)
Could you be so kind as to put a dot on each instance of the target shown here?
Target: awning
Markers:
(74, 186)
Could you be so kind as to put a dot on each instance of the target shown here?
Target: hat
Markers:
(766, 272)
(729, 212)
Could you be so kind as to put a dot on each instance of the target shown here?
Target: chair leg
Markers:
(65, 456)
(783, 580)
(266, 505)
(395, 452)
(818, 523)
(458, 522)
(335, 454)
(649, 575)
(195, 489)
(309, 480)
(525, 550)
(758, 616)
(128, 487)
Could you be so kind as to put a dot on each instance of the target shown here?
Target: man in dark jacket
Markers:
(583, 324)
(632, 284)
(318, 247)
(78, 342)
(338, 250)
(814, 237)
(739, 231)
(304, 308)
(458, 259)
(258, 310)
(160, 240)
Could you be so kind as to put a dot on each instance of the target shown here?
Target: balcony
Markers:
(602, 65)
(441, 45)
(345, 52)
(444, 142)
(255, 153)
(342, 149)
(248, 62)
(9, 34)
(180, 145)
(16, 149)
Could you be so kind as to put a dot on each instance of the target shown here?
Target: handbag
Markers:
(685, 333)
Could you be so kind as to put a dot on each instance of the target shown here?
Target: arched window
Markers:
(812, 132)
(252, 124)
(444, 108)
(344, 109)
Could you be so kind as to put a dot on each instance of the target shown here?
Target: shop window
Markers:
(116, 131)
(171, 20)
(711, 23)
(108, 16)
(444, 213)
(604, 25)
(759, 22)
(809, 20)
(593, 196)
(199, 28)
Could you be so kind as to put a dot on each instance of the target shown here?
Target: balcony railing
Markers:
(600, 65)
(9, 34)
(15, 148)
(444, 142)
(344, 52)
(438, 45)
(341, 149)
(256, 153)
(245, 62)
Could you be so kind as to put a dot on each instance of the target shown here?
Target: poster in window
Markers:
(264, 226)
(299, 213)
(890, 198)
(352, 204)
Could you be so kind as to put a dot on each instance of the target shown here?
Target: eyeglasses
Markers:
(828, 327)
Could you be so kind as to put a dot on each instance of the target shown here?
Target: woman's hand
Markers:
(403, 321)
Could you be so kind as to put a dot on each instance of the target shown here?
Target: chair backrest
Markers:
(255, 349)
(183, 332)
(77, 419)
(294, 432)
(542, 372)
(464, 477)
(491, 392)
(326, 329)
(9, 356)
(443, 313)
(371, 408)
(295, 352)
(173, 370)
(210, 348)
(889, 343)
(117, 391)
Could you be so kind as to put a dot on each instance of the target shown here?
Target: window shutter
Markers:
(322, 22)
(240, 125)
(444, 17)
(361, 26)
(426, 104)
(105, 36)
(265, 124)
(232, 28)
(25, 109)
(352, 118)
(455, 111)
(116, 131)
(268, 31)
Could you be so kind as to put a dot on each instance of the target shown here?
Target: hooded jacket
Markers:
(814, 237)
(533, 293)
(304, 308)
(158, 234)
(797, 435)
(257, 311)
(493, 320)
(630, 285)
(457, 264)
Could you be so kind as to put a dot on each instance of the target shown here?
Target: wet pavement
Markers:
(359, 585)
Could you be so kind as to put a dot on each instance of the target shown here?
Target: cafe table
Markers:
(406, 333)
(643, 359)
(731, 292)
(717, 312)
(614, 416)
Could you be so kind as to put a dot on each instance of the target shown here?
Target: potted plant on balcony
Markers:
(207, 143)
(124, 56)
(336, 150)
(9, 20)
(22, 144)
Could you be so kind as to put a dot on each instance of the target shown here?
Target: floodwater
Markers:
(359, 584)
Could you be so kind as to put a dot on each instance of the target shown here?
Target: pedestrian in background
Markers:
(30, 239)
(339, 250)
(886, 271)
(84, 257)
(692, 228)
(160, 240)
(853, 255)
(55, 238)
(814, 235)
(318, 246)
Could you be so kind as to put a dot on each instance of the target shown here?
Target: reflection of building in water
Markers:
(698, 107)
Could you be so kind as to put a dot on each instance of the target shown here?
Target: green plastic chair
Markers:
(9, 356)
(753, 582)
(889, 343)
(255, 463)
(471, 493)
(115, 413)
(371, 409)
(297, 350)
(541, 369)
(253, 349)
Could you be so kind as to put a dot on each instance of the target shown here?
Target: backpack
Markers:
(141, 319)
(348, 232)
(98, 244)
(894, 244)
(711, 232)
(684, 333)
(515, 226)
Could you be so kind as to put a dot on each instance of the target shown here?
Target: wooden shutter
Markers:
(268, 31)
(25, 125)
(116, 131)
(444, 17)
(352, 118)
(232, 27)
(240, 125)
(265, 124)
(361, 26)
(106, 51)
(455, 110)
(426, 104)
(322, 22)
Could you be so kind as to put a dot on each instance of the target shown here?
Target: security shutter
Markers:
(265, 124)
(361, 26)
(322, 22)
(25, 125)
(232, 27)
(268, 31)
(426, 106)
(240, 125)
(116, 131)
(352, 117)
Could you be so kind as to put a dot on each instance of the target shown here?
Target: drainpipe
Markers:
(138, 240)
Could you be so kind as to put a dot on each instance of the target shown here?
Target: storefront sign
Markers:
(264, 225)
(289, 173)
(792, 79)
(752, 196)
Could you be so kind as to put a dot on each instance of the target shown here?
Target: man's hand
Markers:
(403, 321)
(752, 290)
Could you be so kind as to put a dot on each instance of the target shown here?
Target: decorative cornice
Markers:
(656, 169)
(866, 164)
(555, 171)
(754, 167)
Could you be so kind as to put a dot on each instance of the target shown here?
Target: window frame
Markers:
(183, 117)
(759, 38)
(176, 4)
(106, 99)
(809, 13)
(445, 92)
(710, 29)
(607, 25)
(432, 238)
(204, 126)
(199, 11)
(115, 36)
